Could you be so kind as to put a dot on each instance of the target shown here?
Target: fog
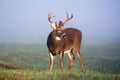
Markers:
(26, 21)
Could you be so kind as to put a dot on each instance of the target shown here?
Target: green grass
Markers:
(55, 75)
(31, 62)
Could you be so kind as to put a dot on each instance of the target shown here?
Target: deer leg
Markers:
(72, 57)
(51, 61)
(80, 59)
(61, 60)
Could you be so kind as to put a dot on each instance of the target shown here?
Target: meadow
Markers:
(31, 62)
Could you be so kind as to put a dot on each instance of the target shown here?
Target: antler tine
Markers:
(67, 15)
(68, 18)
(50, 15)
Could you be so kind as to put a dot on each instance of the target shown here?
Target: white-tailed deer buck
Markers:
(64, 40)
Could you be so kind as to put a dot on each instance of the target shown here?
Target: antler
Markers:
(53, 24)
(50, 15)
(68, 18)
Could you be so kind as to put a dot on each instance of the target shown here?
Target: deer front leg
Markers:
(61, 60)
(51, 61)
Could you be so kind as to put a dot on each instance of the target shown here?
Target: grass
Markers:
(55, 75)
(31, 62)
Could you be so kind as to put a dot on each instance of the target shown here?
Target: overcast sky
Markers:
(26, 20)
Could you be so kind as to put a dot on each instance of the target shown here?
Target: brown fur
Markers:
(71, 41)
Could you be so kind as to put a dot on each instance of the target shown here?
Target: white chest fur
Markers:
(57, 38)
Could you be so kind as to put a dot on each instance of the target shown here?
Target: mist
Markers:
(26, 21)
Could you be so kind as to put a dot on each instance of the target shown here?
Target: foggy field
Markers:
(31, 62)
(24, 24)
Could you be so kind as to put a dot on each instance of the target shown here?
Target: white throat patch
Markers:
(58, 38)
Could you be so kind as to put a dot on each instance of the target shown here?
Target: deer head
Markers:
(59, 28)
(61, 24)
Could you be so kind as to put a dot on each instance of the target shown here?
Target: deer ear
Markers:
(53, 26)
(61, 25)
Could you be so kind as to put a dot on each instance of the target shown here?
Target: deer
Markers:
(64, 41)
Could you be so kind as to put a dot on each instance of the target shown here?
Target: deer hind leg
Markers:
(72, 57)
(80, 59)
(51, 61)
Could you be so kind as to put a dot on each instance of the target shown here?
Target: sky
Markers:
(26, 21)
